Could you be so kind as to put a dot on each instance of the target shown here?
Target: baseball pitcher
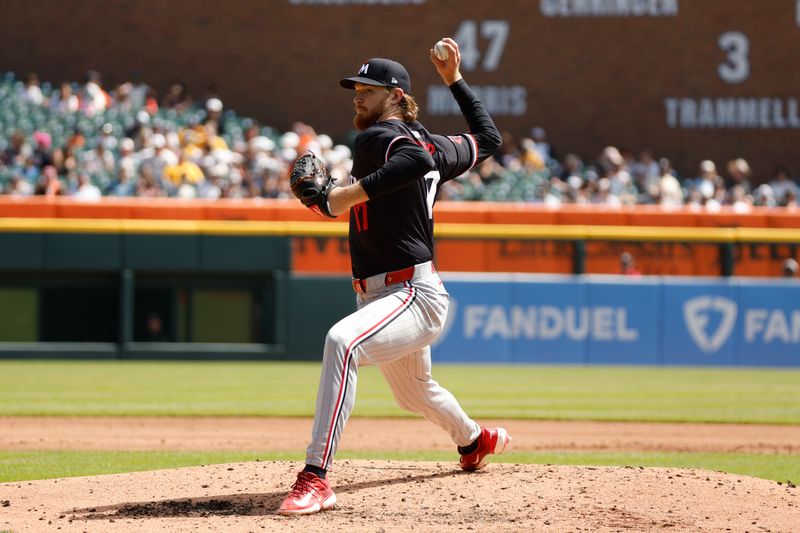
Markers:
(402, 305)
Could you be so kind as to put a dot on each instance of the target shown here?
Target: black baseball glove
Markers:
(311, 183)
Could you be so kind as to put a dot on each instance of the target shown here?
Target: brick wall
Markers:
(588, 80)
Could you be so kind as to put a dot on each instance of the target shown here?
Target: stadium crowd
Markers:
(87, 141)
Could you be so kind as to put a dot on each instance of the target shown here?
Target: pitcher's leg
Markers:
(344, 347)
(415, 390)
(335, 398)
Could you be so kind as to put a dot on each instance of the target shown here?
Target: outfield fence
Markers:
(229, 289)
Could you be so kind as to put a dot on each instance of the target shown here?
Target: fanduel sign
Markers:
(763, 326)
(772, 325)
(618, 320)
(696, 316)
(548, 323)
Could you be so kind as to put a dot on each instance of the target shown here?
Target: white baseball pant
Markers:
(392, 328)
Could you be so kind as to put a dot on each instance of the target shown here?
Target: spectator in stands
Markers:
(669, 188)
(539, 136)
(139, 90)
(620, 182)
(151, 101)
(213, 107)
(707, 180)
(791, 199)
(184, 171)
(573, 166)
(86, 190)
(122, 99)
(508, 151)
(246, 161)
(67, 163)
(77, 140)
(48, 184)
(628, 265)
(154, 329)
(148, 185)
(99, 160)
(32, 92)
(781, 184)
(531, 156)
(212, 187)
(17, 151)
(94, 99)
(65, 101)
(646, 176)
(161, 157)
(790, 268)
(42, 156)
(18, 186)
(208, 91)
(741, 202)
(646, 169)
(739, 173)
(124, 184)
(177, 97)
(581, 190)
(127, 160)
(763, 196)
(603, 194)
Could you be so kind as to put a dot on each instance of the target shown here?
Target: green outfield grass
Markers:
(85, 388)
(289, 389)
(30, 465)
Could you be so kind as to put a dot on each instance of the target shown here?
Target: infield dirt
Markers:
(398, 496)
(405, 496)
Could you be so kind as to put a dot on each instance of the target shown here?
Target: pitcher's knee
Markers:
(418, 403)
(337, 340)
(406, 405)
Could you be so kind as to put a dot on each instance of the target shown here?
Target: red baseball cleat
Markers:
(310, 494)
(491, 440)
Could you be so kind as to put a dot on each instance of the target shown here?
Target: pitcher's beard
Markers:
(362, 121)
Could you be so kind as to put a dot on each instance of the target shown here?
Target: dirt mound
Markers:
(406, 496)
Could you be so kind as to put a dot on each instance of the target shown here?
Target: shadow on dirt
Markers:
(230, 505)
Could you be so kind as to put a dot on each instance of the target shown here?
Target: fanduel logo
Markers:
(696, 315)
(547, 322)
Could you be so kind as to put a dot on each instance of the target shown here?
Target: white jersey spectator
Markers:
(31, 92)
(65, 101)
(670, 192)
(86, 190)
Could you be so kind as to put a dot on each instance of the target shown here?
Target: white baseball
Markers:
(440, 51)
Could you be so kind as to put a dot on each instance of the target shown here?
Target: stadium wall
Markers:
(692, 80)
(329, 253)
(87, 288)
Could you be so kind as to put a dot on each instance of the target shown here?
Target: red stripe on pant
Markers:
(353, 344)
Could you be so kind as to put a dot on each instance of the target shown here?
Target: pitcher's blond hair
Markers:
(409, 107)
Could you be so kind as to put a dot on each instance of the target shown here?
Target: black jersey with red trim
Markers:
(401, 166)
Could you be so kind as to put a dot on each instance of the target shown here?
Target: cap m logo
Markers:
(364, 68)
(697, 314)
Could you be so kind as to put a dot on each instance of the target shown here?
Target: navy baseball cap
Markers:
(379, 71)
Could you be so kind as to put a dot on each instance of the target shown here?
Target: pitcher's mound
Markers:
(406, 496)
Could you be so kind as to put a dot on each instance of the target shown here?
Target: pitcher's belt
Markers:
(396, 276)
